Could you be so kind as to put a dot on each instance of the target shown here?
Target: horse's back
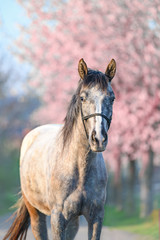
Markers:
(41, 135)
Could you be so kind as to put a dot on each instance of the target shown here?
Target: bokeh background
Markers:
(41, 42)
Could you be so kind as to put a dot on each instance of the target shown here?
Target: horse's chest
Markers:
(84, 200)
(94, 193)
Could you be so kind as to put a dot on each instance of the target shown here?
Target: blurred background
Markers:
(41, 42)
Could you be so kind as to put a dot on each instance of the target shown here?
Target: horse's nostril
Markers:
(93, 135)
(104, 138)
(94, 139)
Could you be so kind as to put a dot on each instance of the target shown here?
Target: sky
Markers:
(11, 15)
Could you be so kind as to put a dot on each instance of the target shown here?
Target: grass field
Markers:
(147, 227)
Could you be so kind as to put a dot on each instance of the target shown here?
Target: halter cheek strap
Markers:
(93, 115)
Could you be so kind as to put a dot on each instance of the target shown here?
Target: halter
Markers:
(93, 115)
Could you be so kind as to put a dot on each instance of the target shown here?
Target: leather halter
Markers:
(93, 115)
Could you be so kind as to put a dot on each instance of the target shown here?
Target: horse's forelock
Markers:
(95, 78)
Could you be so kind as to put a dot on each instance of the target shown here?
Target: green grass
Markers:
(7, 200)
(119, 219)
(9, 176)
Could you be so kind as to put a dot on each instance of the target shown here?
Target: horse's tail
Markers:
(20, 224)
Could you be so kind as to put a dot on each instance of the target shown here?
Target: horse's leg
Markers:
(58, 225)
(95, 220)
(94, 229)
(72, 228)
(38, 222)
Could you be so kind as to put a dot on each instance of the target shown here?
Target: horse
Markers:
(62, 170)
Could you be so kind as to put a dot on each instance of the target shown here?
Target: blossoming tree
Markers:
(61, 32)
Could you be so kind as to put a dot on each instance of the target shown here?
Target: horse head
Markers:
(96, 98)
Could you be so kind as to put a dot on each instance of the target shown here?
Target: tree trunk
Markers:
(117, 185)
(130, 203)
(146, 194)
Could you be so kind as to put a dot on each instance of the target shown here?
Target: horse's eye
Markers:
(82, 99)
(112, 99)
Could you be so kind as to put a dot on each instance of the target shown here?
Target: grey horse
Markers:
(62, 170)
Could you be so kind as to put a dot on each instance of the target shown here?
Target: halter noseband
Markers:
(93, 115)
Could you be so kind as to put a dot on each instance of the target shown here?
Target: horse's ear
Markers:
(82, 68)
(111, 69)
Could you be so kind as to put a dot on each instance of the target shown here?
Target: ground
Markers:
(107, 233)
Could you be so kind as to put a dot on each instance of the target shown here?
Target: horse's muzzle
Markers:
(98, 144)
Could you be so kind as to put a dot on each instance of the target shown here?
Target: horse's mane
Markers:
(93, 78)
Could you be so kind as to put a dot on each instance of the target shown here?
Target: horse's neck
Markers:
(79, 151)
(84, 164)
